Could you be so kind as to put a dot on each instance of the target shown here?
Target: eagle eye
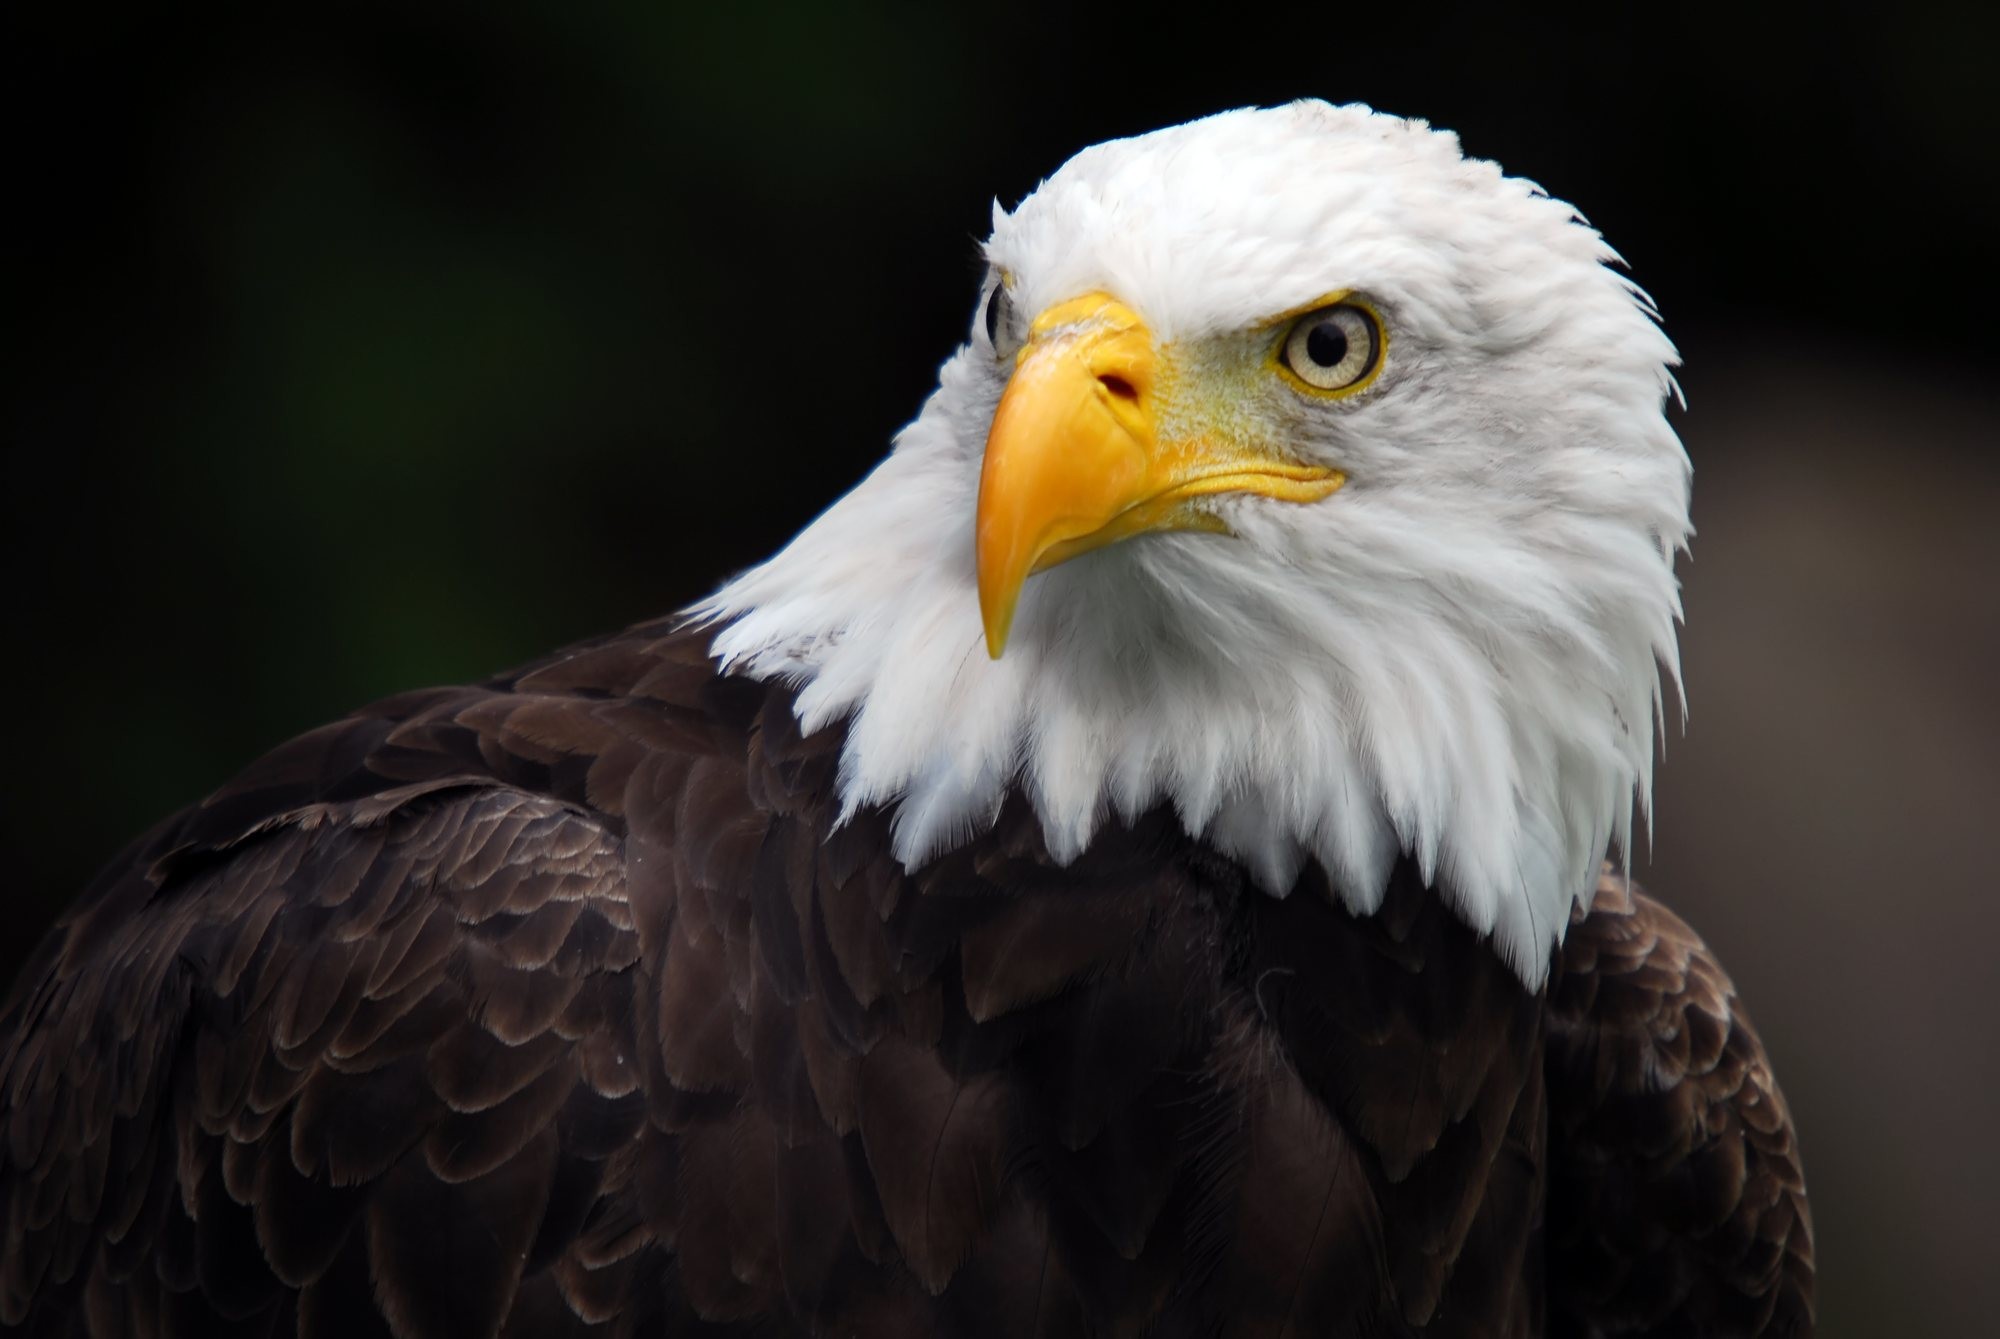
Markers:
(1000, 332)
(1334, 350)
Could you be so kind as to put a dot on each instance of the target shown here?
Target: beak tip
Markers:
(996, 609)
(996, 639)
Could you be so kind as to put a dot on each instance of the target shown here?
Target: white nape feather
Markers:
(1459, 655)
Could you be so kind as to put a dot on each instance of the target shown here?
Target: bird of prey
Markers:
(1136, 865)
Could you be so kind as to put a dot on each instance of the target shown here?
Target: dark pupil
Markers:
(1327, 344)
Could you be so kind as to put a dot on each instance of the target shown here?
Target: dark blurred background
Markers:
(352, 353)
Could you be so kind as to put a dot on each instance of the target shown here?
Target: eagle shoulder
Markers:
(1676, 1200)
(378, 988)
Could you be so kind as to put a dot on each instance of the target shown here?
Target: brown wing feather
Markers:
(337, 1061)
(1676, 1201)
(567, 1000)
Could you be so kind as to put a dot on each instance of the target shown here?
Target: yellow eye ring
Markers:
(1332, 351)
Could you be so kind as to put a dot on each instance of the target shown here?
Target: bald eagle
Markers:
(1136, 865)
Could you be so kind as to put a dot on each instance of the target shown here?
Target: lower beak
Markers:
(1075, 460)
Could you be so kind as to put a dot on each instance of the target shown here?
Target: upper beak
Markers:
(1075, 460)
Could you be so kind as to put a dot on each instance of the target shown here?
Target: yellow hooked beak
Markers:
(1075, 459)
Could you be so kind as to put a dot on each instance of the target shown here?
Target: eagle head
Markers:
(1298, 472)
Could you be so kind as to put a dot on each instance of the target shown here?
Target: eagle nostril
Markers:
(1117, 385)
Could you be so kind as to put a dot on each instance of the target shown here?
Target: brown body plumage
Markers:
(561, 1005)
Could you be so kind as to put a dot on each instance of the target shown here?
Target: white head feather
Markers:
(1458, 655)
